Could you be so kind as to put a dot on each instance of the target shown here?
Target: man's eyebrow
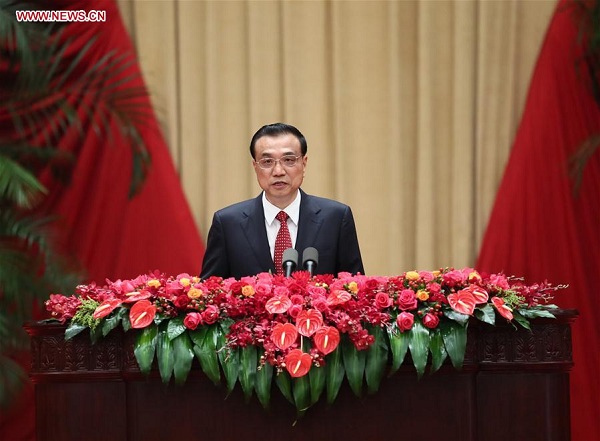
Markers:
(270, 155)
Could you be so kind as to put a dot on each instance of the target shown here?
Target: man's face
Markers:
(280, 182)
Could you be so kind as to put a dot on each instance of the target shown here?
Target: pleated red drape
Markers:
(113, 236)
(538, 228)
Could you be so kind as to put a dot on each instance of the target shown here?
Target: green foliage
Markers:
(48, 95)
(84, 314)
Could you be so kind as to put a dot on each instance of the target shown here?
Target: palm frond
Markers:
(18, 185)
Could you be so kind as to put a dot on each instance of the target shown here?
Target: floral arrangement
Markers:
(304, 333)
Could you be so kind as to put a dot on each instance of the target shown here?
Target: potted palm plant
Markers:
(50, 96)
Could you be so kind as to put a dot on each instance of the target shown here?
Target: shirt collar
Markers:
(292, 210)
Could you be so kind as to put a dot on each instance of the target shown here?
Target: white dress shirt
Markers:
(272, 225)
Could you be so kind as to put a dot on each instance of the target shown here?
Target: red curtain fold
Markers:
(111, 235)
(539, 228)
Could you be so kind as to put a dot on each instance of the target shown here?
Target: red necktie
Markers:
(282, 242)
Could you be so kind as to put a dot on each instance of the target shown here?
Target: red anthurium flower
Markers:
(284, 335)
(298, 363)
(463, 302)
(338, 296)
(326, 339)
(309, 321)
(134, 296)
(142, 314)
(502, 308)
(278, 304)
(105, 308)
(480, 294)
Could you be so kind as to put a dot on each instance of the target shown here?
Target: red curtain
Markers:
(112, 235)
(539, 228)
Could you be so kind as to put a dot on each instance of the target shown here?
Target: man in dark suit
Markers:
(241, 240)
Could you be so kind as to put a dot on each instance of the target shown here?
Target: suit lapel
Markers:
(253, 226)
(309, 224)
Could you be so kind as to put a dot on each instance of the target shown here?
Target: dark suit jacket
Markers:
(237, 242)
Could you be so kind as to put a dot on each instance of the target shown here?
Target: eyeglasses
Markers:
(288, 161)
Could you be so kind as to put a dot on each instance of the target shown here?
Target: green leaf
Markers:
(354, 364)
(455, 340)
(335, 374)
(205, 349)
(438, 351)
(399, 346)
(248, 362)
(418, 344)
(229, 358)
(145, 346)
(377, 357)
(302, 394)
(112, 321)
(176, 327)
(126, 321)
(284, 383)
(486, 314)
(517, 317)
(264, 376)
(73, 329)
(95, 334)
(165, 355)
(456, 316)
(533, 313)
(317, 376)
(184, 355)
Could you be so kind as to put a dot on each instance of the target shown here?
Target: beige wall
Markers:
(409, 107)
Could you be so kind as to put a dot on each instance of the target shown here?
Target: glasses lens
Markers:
(286, 161)
(266, 163)
(289, 161)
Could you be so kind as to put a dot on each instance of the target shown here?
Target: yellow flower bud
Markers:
(184, 281)
(422, 295)
(474, 276)
(353, 287)
(248, 291)
(195, 293)
(154, 283)
(412, 275)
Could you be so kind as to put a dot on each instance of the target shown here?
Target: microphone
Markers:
(289, 261)
(310, 259)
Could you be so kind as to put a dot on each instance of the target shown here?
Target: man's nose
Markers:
(278, 169)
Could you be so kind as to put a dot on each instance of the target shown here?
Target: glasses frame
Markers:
(278, 161)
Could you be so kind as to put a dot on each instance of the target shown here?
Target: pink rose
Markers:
(382, 300)
(431, 321)
(210, 314)
(181, 301)
(297, 299)
(263, 288)
(294, 310)
(320, 304)
(407, 299)
(192, 320)
(405, 321)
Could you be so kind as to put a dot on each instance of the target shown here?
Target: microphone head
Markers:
(310, 254)
(290, 255)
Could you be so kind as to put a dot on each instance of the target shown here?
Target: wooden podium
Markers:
(514, 386)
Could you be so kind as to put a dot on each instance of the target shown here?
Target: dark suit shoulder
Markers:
(239, 209)
(321, 202)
